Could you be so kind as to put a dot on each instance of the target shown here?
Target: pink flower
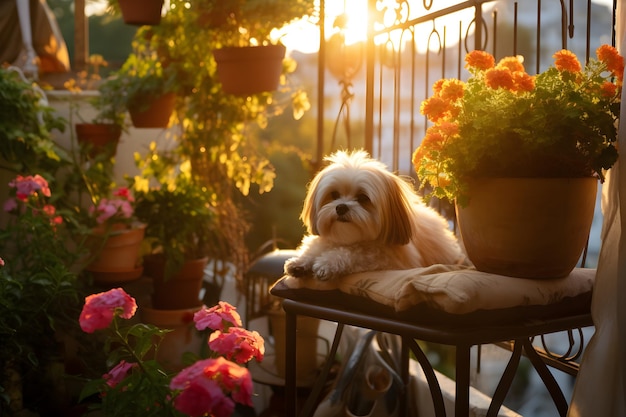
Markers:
(10, 205)
(203, 396)
(1, 262)
(99, 309)
(217, 317)
(118, 373)
(239, 344)
(29, 185)
(233, 378)
(109, 208)
(228, 376)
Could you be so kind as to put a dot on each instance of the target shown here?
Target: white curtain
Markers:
(600, 388)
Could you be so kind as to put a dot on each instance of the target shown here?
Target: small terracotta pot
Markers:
(157, 113)
(179, 291)
(141, 12)
(99, 137)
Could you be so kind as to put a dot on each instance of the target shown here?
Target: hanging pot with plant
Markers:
(141, 12)
(152, 111)
(98, 138)
(250, 69)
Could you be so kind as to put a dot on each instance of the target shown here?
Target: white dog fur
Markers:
(361, 217)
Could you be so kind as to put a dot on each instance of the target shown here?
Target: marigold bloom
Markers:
(565, 60)
(118, 373)
(480, 60)
(523, 82)
(608, 89)
(499, 78)
(217, 317)
(437, 86)
(511, 63)
(434, 108)
(612, 59)
(452, 90)
(239, 344)
(431, 142)
(99, 309)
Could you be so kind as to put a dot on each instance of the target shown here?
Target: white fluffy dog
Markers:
(361, 217)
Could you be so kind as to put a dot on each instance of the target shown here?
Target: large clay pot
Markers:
(117, 255)
(306, 340)
(249, 70)
(527, 227)
(99, 137)
(141, 12)
(182, 290)
(182, 338)
(153, 112)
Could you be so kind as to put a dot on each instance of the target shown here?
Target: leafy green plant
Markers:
(503, 122)
(39, 295)
(181, 222)
(251, 22)
(26, 123)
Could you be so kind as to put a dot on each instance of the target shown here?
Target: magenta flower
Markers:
(239, 344)
(217, 317)
(99, 309)
(1, 262)
(108, 208)
(233, 378)
(118, 373)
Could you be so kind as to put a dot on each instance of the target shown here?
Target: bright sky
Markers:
(304, 36)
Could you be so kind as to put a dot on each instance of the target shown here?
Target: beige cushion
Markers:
(449, 289)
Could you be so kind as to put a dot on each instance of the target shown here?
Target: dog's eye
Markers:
(335, 195)
(362, 199)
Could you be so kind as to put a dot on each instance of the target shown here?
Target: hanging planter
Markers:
(152, 112)
(527, 227)
(141, 12)
(99, 138)
(249, 70)
(182, 290)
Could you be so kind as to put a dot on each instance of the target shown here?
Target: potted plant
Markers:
(144, 87)
(549, 133)
(103, 132)
(181, 233)
(116, 239)
(39, 295)
(246, 47)
(137, 12)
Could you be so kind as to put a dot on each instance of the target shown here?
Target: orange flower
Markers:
(512, 63)
(499, 78)
(452, 89)
(608, 89)
(523, 82)
(480, 60)
(434, 108)
(438, 85)
(613, 60)
(565, 60)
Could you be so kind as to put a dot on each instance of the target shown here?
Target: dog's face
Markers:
(355, 199)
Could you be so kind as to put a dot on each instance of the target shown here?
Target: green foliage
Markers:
(25, 125)
(503, 122)
(181, 220)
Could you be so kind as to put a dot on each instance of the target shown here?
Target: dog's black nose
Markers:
(342, 209)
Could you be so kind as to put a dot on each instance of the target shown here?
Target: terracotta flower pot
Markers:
(527, 227)
(182, 338)
(118, 257)
(157, 113)
(179, 291)
(249, 70)
(141, 12)
(99, 137)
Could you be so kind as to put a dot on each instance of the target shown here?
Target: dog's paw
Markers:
(324, 273)
(297, 269)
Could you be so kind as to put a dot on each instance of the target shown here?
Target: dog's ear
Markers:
(309, 209)
(397, 225)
